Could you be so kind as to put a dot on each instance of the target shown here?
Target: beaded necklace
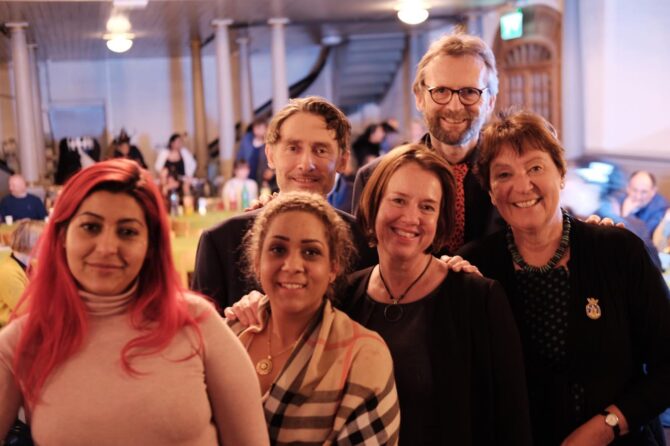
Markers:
(558, 255)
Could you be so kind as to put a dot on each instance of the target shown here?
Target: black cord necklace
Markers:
(558, 255)
(393, 312)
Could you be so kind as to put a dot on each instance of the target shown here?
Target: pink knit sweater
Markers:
(90, 400)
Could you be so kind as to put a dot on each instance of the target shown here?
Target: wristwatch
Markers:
(612, 421)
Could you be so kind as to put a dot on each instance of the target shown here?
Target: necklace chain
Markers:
(270, 355)
(264, 366)
(558, 255)
(411, 285)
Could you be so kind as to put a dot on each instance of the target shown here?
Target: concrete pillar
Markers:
(24, 101)
(415, 52)
(199, 116)
(40, 153)
(279, 83)
(572, 106)
(246, 99)
(225, 98)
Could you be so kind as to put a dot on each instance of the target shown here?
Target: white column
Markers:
(40, 153)
(279, 83)
(225, 97)
(24, 101)
(572, 106)
(199, 115)
(246, 99)
(414, 54)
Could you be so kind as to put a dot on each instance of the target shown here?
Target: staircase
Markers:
(365, 67)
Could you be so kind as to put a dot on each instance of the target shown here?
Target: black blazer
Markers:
(476, 360)
(218, 266)
(606, 356)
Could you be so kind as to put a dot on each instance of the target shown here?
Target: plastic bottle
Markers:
(174, 203)
(202, 206)
(245, 197)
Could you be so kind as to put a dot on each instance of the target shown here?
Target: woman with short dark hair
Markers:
(592, 310)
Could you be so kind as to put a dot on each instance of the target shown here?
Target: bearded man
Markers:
(455, 89)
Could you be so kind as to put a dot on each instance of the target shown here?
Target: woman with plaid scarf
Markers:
(324, 378)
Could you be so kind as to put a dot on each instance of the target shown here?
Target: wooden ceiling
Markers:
(73, 30)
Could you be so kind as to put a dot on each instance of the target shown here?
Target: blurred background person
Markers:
(662, 240)
(368, 145)
(642, 201)
(176, 167)
(14, 269)
(124, 149)
(239, 191)
(592, 309)
(252, 149)
(110, 339)
(19, 204)
(299, 250)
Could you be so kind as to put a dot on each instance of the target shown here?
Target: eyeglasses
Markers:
(467, 95)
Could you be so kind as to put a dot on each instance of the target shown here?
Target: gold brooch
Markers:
(592, 308)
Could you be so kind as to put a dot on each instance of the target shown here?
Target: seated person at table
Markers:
(111, 349)
(176, 167)
(19, 204)
(325, 378)
(124, 149)
(239, 191)
(13, 269)
(307, 144)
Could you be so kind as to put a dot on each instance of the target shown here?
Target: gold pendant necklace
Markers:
(264, 366)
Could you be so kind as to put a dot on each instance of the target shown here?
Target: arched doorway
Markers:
(530, 67)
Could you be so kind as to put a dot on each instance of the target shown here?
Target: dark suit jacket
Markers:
(606, 356)
(481, 217)
(218, 272)
(476, 360)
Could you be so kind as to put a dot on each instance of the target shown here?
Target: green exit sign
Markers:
(511, 25)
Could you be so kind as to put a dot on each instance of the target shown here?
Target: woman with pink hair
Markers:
(111, 349)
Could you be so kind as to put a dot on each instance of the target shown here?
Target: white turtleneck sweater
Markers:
(91, 400)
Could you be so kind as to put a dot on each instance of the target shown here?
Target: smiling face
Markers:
(526, 188)
(641, 189)
(106, 243)
(406, 222)
(295, 267)
(306, 157)
(455, 124)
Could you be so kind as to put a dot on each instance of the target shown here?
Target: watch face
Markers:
(611, 419)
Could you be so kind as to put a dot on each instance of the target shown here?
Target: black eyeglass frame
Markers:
(458, 93)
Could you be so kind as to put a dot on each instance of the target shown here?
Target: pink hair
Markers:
(57, 321)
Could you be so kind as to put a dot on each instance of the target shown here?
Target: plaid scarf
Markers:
(337, 386)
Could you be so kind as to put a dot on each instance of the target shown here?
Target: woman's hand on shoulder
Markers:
(260, 202)
(246, 309)
(458, 264)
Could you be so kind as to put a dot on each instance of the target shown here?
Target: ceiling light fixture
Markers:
(119, 43)
(412, 12)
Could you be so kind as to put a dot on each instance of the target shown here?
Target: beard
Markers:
(474, 123)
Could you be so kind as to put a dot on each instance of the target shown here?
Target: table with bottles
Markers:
(186, 230)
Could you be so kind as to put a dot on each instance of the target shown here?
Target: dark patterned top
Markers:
(545, 299)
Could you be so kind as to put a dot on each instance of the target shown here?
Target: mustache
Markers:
(462, 114)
